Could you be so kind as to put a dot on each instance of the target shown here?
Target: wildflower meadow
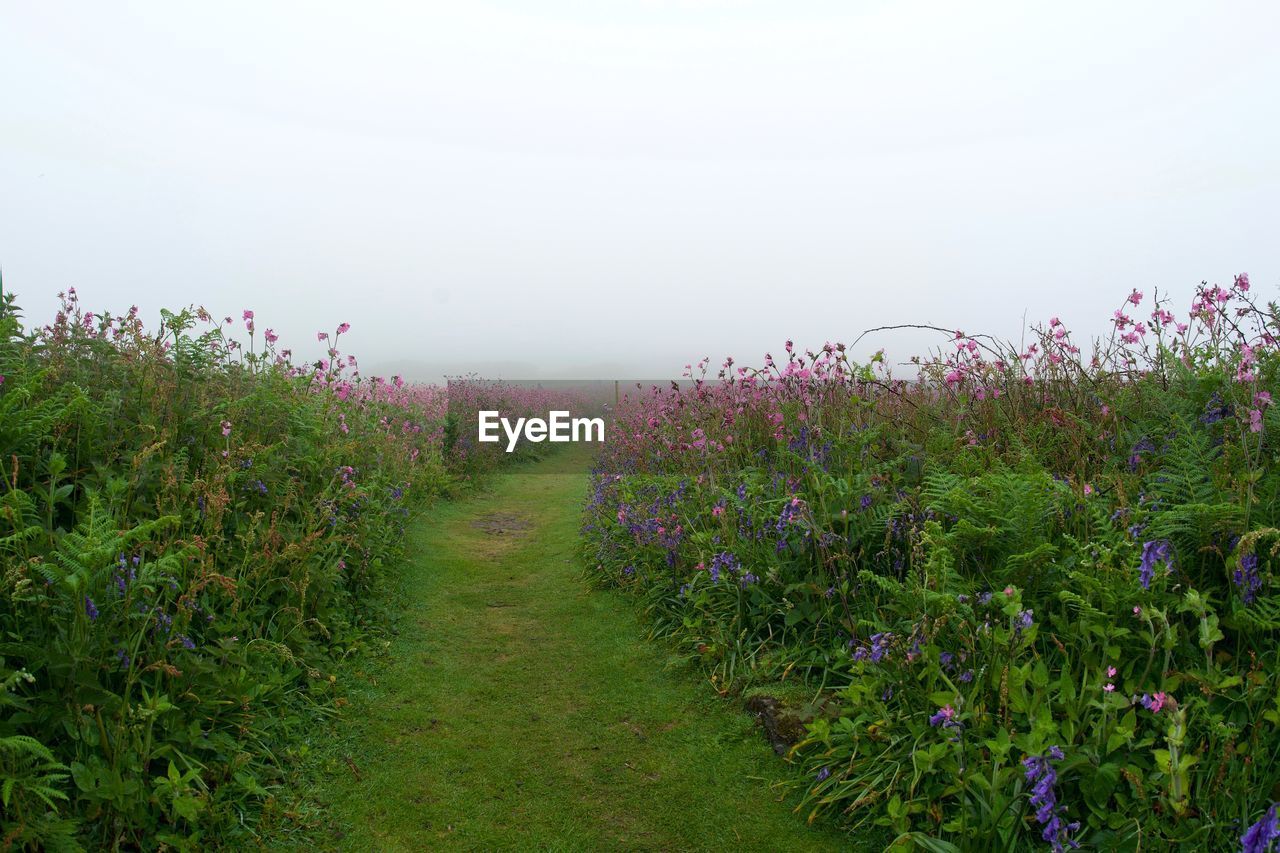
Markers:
(193, 530)
(1022, 599)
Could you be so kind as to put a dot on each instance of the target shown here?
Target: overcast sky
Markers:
(569, 189)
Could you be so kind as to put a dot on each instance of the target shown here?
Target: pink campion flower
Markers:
(1255, 420)
(1121, 319)
(1054, 322)
(1242, 282)
(226, 428)
(1137, 611)
(1111, 672)
(946, 715)
(1088, 489)
(1155, 702)
(1181, 327)
(717, 511)
(344, 328)
(1262, 398)
(322, 336)
(1109, 687)
(271, 336)
(248, 316)
(1136, 296)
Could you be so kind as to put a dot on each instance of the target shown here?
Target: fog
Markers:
(582, 189)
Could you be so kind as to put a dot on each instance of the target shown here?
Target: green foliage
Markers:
(970, 583)
(189, 536)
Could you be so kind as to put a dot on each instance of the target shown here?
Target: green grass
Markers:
(520, 708)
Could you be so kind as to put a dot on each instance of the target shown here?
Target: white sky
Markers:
(570, 189)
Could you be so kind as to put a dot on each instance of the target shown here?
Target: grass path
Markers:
(521, 709)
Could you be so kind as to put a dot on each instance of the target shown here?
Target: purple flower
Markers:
(90, 609)
(865, 503)
(823, 774)
(1258, 838)
(1246, 577)
(1043, 777)
(877, 648)
(1154, 551)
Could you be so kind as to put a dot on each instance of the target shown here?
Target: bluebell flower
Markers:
(1043, 777)
(1154, 551)
(1258, 837)
(1246, 577)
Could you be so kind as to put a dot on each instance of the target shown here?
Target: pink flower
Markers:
(271, 336)
(1136, 296)
(1137, 611)
(344, 328)
(1088, 489)
(226, 428)
(1255, 420)
(717, 511)
(1111, 672)
(322, 336)
(1263, 399)
(1242, 281)
(1109, 688)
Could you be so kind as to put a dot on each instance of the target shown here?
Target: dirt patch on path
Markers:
(502, 524)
